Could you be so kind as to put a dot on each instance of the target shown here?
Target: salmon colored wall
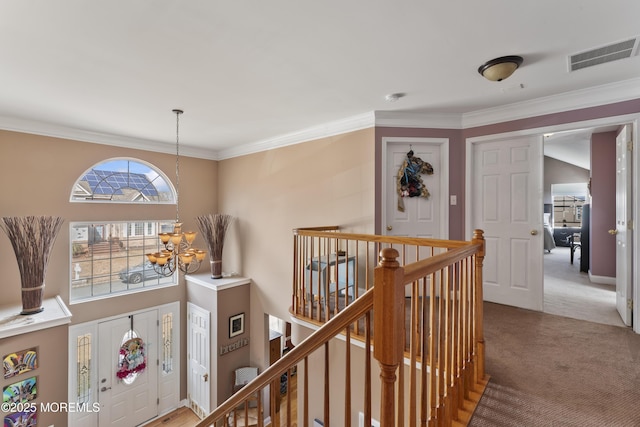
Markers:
(51, 372)
(324, 182)
(38, 173)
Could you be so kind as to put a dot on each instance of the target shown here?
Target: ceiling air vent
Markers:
(601, 55)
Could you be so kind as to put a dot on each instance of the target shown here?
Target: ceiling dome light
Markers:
(393, 97)
(499, 69)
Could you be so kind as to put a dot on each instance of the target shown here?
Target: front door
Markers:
(127, 370)
(505, 199)
(622, 228)
(198, 385)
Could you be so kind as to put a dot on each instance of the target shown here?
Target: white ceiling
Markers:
(246, 72)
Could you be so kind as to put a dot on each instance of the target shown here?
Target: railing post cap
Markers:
(389, 256)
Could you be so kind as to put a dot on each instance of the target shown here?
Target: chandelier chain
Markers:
(178, 112)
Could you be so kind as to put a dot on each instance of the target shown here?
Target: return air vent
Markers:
(601, 55)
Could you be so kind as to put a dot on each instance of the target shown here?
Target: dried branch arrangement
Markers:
(214, 228)
(32, 238)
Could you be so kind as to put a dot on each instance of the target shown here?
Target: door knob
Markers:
(613, 232)
(206, 377)
(534, 232)
(105, 388)
(389, 228)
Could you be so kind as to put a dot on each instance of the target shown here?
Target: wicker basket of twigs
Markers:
(32, 238)
(214, 229)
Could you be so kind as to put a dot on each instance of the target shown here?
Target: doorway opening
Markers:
(569, 288)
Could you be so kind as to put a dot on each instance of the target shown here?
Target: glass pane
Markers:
(123, 180)
(110, 258)
(167, 343)
(83, 373)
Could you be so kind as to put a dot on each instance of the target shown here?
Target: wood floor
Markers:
(185, 417)
(181, 417)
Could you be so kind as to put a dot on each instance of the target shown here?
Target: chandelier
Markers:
(178, 253)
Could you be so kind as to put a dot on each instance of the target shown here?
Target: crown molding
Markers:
(575, 100)
(56, 131)
(349, 124)
(418, 120)
(585, 98)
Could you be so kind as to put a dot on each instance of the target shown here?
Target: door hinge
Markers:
(158, 402)
(157, 362)
(629, 145)
(630, 224)
(630, 304)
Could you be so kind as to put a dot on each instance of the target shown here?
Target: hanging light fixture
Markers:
(178, 253)
(499, 69)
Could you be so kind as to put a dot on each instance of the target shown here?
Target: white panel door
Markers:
(505, 194)
(421, 216)
(623, 214)
(133, 400)
(198, 349)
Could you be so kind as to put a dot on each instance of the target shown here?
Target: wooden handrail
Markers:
(331, 329)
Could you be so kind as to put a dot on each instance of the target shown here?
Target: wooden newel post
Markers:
(478, 237)
(388, 327)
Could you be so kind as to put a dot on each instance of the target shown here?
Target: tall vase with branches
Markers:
(214, 229)
(32, 238)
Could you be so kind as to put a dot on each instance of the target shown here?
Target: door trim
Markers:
(632, 119)
(444, 175)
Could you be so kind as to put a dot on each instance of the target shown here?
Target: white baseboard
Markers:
(605, 280)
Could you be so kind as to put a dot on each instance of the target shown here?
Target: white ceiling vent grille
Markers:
(601, 55)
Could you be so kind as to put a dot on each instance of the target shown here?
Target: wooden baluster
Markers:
(389, 318)
(327, 411)
(432, 348)
(367, 369)
(305, 402)
(347, 385)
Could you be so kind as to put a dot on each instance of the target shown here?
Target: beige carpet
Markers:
(548, 370)
(569, 292)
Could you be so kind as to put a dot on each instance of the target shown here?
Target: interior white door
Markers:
(422, 217)
(622, 234)
(132, 400)
(198, 386)
(505, 199)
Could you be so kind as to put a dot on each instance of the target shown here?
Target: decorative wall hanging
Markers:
(20, 392)
(26, 418)
(132, 358)
(20, 362)
(409, 179)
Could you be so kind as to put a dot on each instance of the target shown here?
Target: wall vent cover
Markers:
(602, 55)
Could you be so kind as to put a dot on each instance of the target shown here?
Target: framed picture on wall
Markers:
(236, 325)
(20, 362)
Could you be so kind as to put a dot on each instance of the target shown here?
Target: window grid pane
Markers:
(110, 258)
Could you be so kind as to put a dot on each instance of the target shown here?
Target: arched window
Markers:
(125, 181)
(109, 258)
